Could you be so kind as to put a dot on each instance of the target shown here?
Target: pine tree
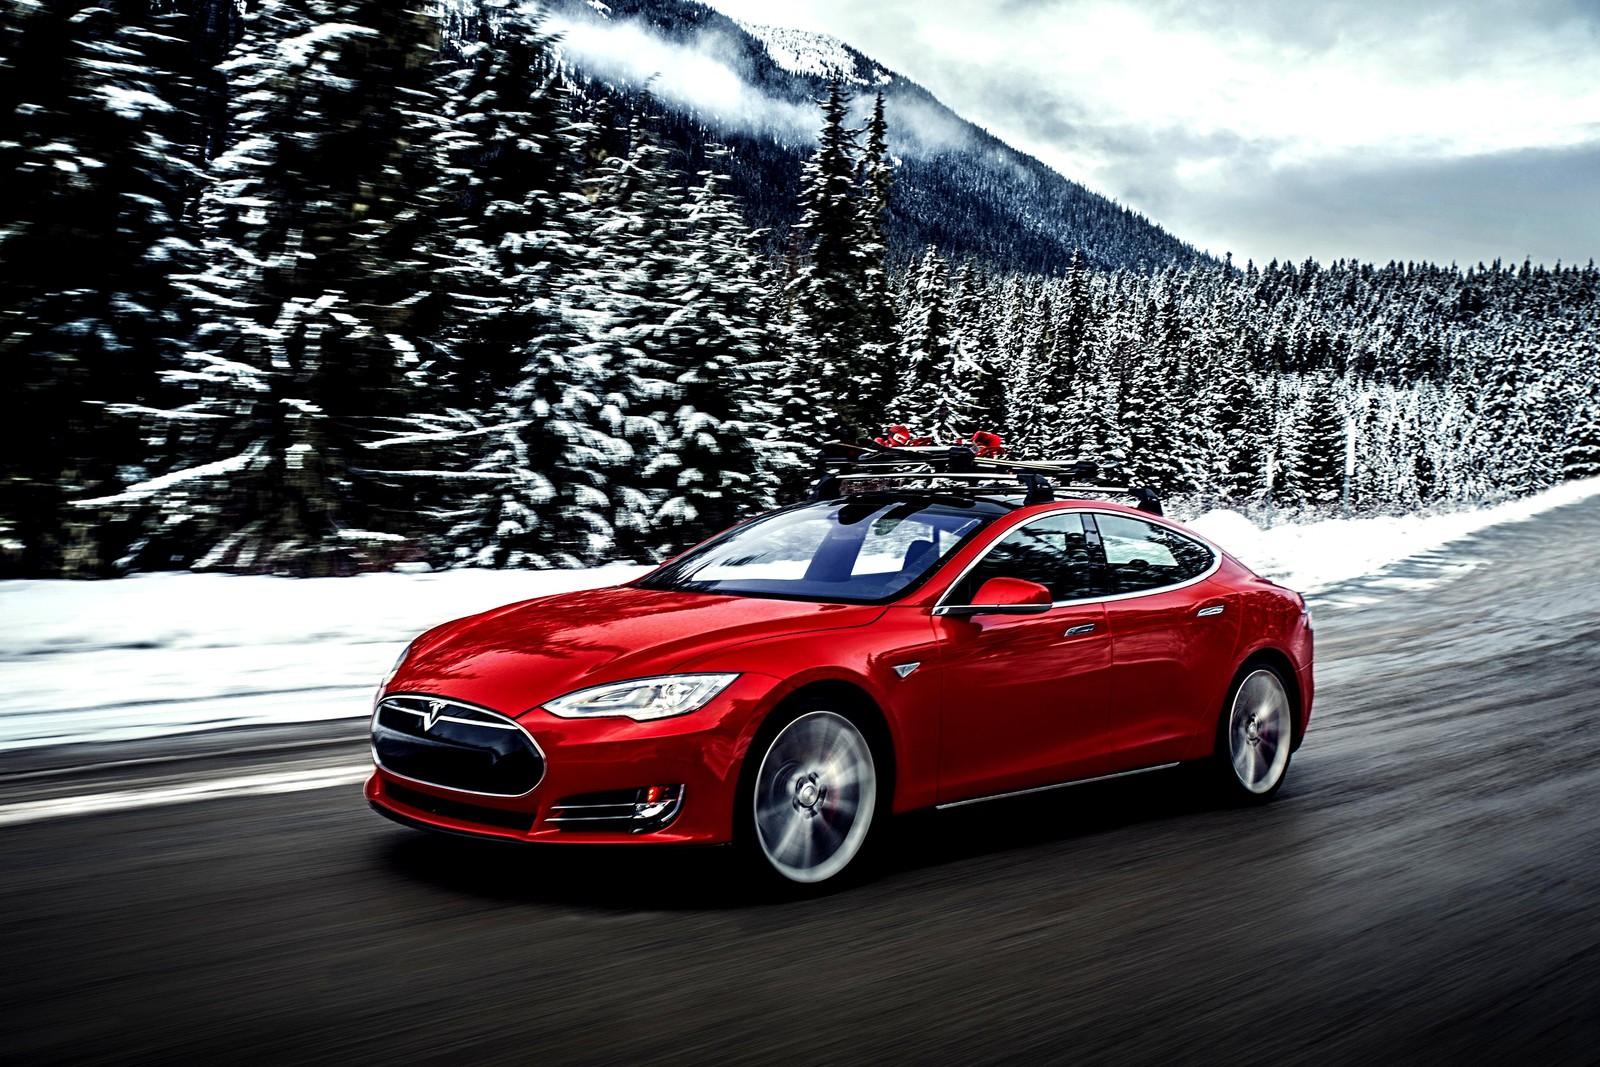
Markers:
(632, 295)
(532, 451)
(879, 325)
(1147, 402)
(90, 234)
(977, 394)
(714, 451)
(925, 347)
(1580, 455)
(1035, 385)
(509, 176)
(1059, 356)
(1319, 476)
(834, 363)
(316, 303)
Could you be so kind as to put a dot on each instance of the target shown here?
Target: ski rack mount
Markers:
(842, 463)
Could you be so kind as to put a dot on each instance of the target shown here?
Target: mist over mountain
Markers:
(753, 88)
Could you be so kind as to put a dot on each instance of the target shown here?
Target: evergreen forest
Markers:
(314, 287)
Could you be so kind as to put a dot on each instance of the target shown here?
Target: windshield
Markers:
(857, 551)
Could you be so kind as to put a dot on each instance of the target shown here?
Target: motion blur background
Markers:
(377, 315)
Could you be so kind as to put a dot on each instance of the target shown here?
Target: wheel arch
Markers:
(1280, 661)
(845, 695)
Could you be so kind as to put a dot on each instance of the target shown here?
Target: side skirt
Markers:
(1048, 788)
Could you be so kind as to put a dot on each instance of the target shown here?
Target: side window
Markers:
(1051, 551)
(1141, 555)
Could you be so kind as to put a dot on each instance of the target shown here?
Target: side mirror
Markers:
(1003, 596)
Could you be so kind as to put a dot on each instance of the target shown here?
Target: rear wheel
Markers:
(1255, 734)
(813, 798)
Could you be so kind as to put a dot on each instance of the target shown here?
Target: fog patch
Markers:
(692, 77)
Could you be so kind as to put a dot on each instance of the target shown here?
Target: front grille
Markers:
(626, 811)
(455, 809)
(454, 745)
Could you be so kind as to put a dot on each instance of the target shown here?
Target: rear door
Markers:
(1173, 637)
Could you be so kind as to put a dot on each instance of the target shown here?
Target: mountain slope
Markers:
(752, 87)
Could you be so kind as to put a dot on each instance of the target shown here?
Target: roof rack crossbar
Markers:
(879, 476)
(957, 463)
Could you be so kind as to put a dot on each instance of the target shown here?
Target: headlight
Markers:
(642, 698)
(387, 678)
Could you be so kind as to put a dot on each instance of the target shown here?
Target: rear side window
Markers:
(1141, 555)
(1052, 551)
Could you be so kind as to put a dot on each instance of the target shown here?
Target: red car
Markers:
(933, 641)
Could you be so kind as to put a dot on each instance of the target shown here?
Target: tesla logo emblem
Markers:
(904, 669)
(431, 716)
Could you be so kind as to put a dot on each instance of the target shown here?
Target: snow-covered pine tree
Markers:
(1116, 358)
(90, 231)
(1148, 401)
(509, 175)
(846, 384)
(316, 300)
(1247, 366)
(630, 295)
(1067, 391)
(1228, 430)
(1034, 382)
(977, 391)
(524, 407)
(1580, 456)
(925, 354)
(879, 324)
(203, 32)
(720, 433)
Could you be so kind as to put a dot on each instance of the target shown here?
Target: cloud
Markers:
(696, 76)
(1529, 203)
(702, 74)
(1194, 110)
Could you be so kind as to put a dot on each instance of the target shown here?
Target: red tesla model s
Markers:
(937, 639)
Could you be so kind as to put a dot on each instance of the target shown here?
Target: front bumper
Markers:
(700, 753)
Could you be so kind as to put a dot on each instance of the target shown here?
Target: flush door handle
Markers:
(1210, 610)
(1079, 631)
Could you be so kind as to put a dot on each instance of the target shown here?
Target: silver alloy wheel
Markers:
(1259, 731)
(815, 795)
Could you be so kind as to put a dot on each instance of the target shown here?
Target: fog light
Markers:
(656, 803)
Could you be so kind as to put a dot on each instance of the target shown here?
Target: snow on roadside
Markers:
(1311, 557)
(164, 653)
(171, 653)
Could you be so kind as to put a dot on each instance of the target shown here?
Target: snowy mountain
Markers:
(817, 55)
(754, 87)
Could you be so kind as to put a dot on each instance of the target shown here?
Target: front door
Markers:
(1024, 696)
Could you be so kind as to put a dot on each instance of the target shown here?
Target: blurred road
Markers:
(1425, 889)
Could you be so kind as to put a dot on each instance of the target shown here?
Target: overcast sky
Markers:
(1377, 130)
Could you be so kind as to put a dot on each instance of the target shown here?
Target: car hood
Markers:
(513, 659)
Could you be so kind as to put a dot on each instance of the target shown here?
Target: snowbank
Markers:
(1313, 556)
(162, 653)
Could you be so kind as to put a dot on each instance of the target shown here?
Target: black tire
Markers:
(1255, 735)
(811, 796)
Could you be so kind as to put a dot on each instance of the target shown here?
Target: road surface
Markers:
(1425, 889)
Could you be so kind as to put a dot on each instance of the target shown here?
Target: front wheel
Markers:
(814, 797)
(1255, 735)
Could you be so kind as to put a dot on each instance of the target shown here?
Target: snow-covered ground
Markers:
(164, 653)
(171, 653)
(1311, 557)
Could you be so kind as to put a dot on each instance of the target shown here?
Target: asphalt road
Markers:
(1426, 889)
